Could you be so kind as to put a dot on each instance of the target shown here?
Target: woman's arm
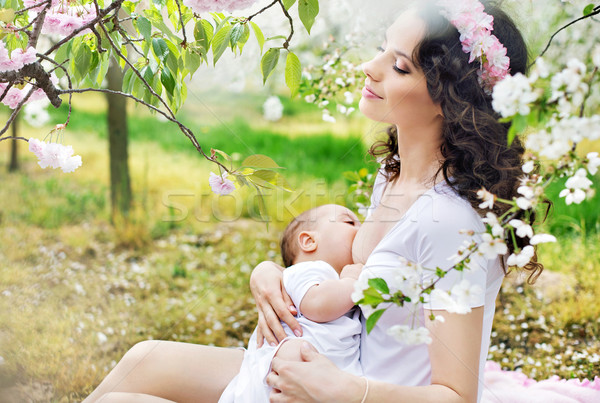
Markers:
(454, 354)
(273, 304)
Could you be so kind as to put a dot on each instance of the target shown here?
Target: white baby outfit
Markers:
(428, 234)
(338, 340)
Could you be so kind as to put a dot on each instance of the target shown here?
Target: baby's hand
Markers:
(351, 271)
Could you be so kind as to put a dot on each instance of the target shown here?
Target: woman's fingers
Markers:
(282, 311)
(262, 331)
(272, 313)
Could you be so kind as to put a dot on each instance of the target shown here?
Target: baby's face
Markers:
(336, 229)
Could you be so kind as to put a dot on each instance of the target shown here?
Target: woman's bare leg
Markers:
(180, 372)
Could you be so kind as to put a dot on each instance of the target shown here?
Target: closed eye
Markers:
(395, 67)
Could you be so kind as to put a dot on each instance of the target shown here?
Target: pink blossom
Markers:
(13, 98)
(71, 164)
(63, 20)
(204, 6)
(37, 147)
(220, 184)
(475, 27)
(54, 155)
(24, 57)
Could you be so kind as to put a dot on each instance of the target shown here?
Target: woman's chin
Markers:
(371, 111)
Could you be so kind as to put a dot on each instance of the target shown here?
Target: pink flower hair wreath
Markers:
(475, 27)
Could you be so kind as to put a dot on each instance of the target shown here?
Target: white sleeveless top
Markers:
(428, 234)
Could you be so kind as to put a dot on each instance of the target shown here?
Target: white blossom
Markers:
(450, 304)
(465, 293)
(522, 258)
(492, 247)
(348, 97)
(487, 197)
(513, 95)
(360, 286)
(540, 69)
(273, 109)
(310, 98)
(407, 335)
(528, 167)
(542, 238)
(327, 116)
(593, 162)
(492, 220)
(522, 230)
(576, 186)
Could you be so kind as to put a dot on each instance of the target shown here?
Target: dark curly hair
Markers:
(475, 146)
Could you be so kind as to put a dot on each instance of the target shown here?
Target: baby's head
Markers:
(322, 233)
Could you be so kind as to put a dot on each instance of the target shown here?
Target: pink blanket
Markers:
(515, 387)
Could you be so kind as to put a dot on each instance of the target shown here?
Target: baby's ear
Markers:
(307, 241)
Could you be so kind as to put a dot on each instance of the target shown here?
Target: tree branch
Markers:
(15, 113)
(594, 12)
(182, 25)
(264, 9)
(286, 44)
(99, 16)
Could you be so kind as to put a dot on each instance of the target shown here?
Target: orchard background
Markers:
(83, 276)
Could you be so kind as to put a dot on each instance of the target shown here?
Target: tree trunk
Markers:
(120, 186)
(14, 151)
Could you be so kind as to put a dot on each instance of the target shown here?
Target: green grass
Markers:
(321, 155)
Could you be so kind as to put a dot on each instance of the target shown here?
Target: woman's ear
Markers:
(307, 241)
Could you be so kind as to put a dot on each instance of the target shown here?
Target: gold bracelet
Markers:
(364, 399)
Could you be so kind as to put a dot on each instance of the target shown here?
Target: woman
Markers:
(444, 145)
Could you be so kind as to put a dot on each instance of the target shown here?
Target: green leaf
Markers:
(222, 154)
(167, 80)
(82, 58)
(379, 284)
(129, 6)
(588, 9)
(220, 42)
(144, 27)
(236, 34)
(260, 38)
(518, 125)
(128, 80)
(293, 73)
(373, 318)
(308, 10)
(173, 58)
(371, 297)
(191, 61)
(288, 3)
(268, 62)
(160, 49)
(244, 39)
(203, 33)
(259, 161)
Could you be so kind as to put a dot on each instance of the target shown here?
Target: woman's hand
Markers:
(273, 304)
(315, 379)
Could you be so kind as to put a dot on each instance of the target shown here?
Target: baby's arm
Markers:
(330, 299)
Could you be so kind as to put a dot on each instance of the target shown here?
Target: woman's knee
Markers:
(141, 350)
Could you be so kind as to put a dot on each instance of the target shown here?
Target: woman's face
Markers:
(395, 89)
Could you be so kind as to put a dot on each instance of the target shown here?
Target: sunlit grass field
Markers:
(76, 292)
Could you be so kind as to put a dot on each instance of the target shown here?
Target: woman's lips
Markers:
(368, 93)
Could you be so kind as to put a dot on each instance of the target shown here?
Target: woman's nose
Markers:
(370, 68)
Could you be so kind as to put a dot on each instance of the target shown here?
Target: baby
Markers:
(316, 248)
